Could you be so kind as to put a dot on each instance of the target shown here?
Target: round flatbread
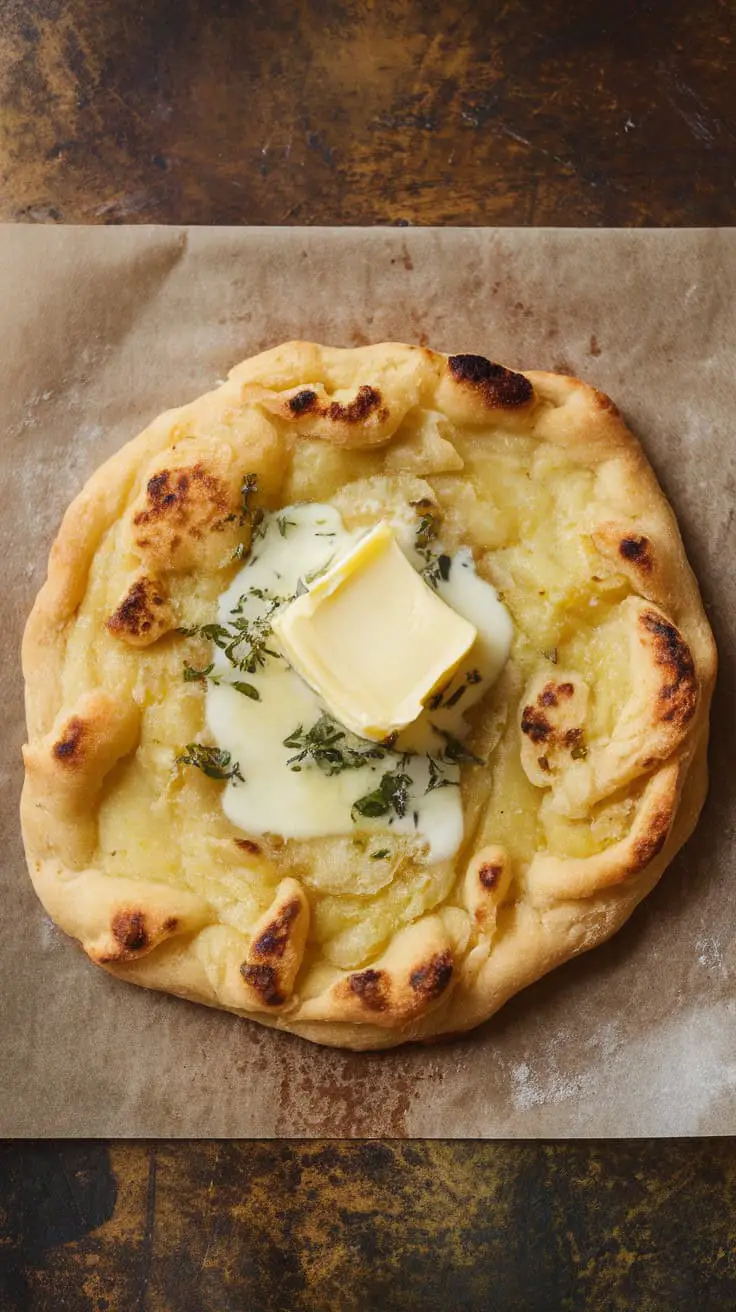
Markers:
(359, 892)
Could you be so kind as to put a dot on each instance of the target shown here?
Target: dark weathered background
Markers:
(367, 111)
(214, 111)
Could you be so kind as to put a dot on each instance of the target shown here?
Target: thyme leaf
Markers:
(192, 675)
(437, 777)
(436, 568)
(392, 794)
(212, 761)
(455, 751)
(326, 745)
(285, 524)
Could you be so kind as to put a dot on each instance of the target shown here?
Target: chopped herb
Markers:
(321, 569)
(436, 568)
(325, 535)
(474, 676)
(426, 532)
(550, 654)
(455, 697)
(248, 487)
(381, 854)
(392, 794)
(301, 588)
(437, 777)
(212, 761)
(239, 551)
(247, 690)
(326, 745)
(244, 641)
(192, 676)
(285, 524)
(579, 752)
(416, 819)
(455, 751)
(435, 701)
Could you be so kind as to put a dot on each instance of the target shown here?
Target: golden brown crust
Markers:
(170, 502)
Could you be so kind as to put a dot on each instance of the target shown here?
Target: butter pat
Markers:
(372, 638)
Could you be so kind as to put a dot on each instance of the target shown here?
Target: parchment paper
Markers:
(103, 328)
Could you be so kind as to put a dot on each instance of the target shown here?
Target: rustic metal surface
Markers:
(352, 1227)
(270, 112)
(345, 111)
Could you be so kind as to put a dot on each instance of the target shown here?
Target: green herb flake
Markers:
(437, 777)
(285, 524)
(392, 794)
(550, 654)
(455, 751)
(326, 745)
(212, 761)
(426, 532)
(579, 752)
(319, 571)
(381, 854)
(192, 675)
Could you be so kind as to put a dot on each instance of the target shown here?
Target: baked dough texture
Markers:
(594, 737)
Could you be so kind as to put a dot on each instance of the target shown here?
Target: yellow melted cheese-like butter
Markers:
(373, 639)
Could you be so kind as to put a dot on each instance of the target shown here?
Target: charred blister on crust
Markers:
(272, 941)
(499, 387)
(678, 695)
(489, 875)
(645, 849)
(69, 750)
(129, 930)
(303, 402)
(189, 499)
(143, 615)
(637, 550)
(367, 401)
(264, 981)
(535, 724)
(371, 987)
(276, 948)
(248, 845)
(430, 980)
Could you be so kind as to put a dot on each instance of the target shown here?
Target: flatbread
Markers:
(594, 737)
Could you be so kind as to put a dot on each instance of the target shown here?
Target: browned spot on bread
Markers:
(366, 400)
(573, 737)
(170, 924)
(565, 690)
(303, 402)
(603, 402)
(535, 725)
(140, 613)
(489, 875)
(274, 938)
(548, 696)
(433, 978)
(129, 930)
(189, 498)
(678, 696)
(264, 980)
(247, 845)
(647, 848)
(371, 987)
(69, 749)
(499, 387)
(637, 550)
